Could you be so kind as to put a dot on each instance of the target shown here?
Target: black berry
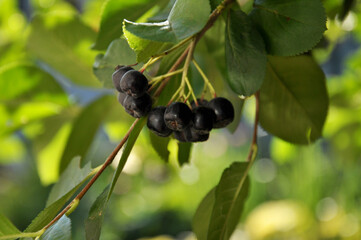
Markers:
(138, 107)
(177, 116)
(156, 122)
(118, 74)
(134, 83)
(180, 136)
(224, 111)
(193, 135)
(201, 102)
(121, 97)
(203, 118)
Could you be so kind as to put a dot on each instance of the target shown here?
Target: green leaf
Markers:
(230, 196)
(61, 230)
(84, 129)
(62, 41)
(126, 152)
(289, 27)
(245, 54)
(45, 216)
(294, 99)
(114, 11)
(6, 226)
(186, 18)
(202, 217)
(93, 223)
(160, 145)
(184, 152)
(118, 53)
(73, 177)
(142, 47)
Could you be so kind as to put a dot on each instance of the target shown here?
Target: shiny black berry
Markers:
(224, 111)
(201, 102)
(118, 74)
(192, 135)
(177, 116)
(134, 83)
(121, 97)
(138, 107)
(203, 118)
(156, 122)
(180, 136)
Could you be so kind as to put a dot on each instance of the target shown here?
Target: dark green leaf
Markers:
(245, 54)
(294, 99)
(230, 196)
(215, 3)
(289, 27)
(126, 152)
(114, 11)
(62, 41)
(186, 18)
(61, 230)
(72, 177)
(93, 223)
(84, 129)
(118, 53)
(160, 145)
(184, 152)
(6, 226)
(202, 217)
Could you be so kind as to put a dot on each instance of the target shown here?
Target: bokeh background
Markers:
(297, 192)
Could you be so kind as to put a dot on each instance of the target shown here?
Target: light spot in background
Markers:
(16, 22)
(261, 132)
(350, 225)
(326, 209)
(238, 234)
(133, 164)
(264, 170)
(216, 146)
(46, 3)
(349, 23)
(189, 174)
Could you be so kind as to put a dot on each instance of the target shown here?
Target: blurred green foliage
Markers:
(308, 192)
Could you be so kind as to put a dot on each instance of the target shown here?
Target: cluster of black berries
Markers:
(187, 124)
(132, 86)
(190, 125)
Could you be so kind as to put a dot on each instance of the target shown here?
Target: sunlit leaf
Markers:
(118, 53)
(144, 48)
(245, 54)
(289, 27)
(294, 99)
(114, 11)
(186, 18)
(62, 41)
(230, 196)
(84, 129)
(61, 230)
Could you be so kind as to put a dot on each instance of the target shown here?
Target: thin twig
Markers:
(253, 147)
